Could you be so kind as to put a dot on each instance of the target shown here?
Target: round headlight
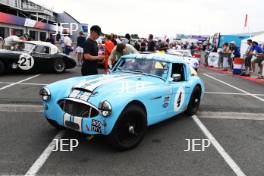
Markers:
(105, 108)
(44, 94)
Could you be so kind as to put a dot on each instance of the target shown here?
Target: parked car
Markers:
(141, 90)
(187, 56)
(34, 55)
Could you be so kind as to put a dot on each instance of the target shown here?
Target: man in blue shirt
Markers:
(257, 57)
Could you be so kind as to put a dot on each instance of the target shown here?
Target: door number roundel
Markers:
(179, 99)
(25, 62)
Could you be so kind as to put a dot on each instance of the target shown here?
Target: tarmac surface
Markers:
(231, 116)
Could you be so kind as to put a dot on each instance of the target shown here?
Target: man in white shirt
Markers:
(10, 41)
(68, 44)
(120, 50)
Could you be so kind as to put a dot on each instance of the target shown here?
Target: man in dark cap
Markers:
(90, 52)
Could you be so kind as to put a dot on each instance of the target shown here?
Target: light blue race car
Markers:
(141, 90)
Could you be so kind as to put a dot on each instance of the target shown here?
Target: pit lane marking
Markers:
(44, 156)
(232, 93)
(234, 87)
(232, 164)
(231, 115)
(15, 83)
(202, 114)
(34, 84)
(20, 108)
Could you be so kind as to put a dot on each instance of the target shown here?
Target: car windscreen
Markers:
(28, 47)
(42, 49)
(144, 66)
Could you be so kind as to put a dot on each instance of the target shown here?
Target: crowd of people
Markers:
(89, 52)
(111, 48)
(254, 56)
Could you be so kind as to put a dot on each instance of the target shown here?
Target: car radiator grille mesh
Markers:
(77, 109)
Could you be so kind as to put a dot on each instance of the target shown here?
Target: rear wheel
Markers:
(59, 66)
(129, 129)
(2, 67)
(194, 102)
(55, 124)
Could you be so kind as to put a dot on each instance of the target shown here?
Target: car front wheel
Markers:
(194, 102)
(129, 129)
(59, 66)
(54, 124)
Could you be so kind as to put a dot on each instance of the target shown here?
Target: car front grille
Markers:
(77, 109)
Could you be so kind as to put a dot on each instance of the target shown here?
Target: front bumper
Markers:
(92, 126)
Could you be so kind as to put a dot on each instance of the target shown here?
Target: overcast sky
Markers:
(165, 17)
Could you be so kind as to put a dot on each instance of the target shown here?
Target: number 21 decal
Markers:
(25, 62)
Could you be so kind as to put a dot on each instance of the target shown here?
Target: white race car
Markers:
(187, 56)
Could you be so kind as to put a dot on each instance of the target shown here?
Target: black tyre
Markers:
(59, 66)
(194, 102)
(55, 124)
(129, 129)
(2, 68)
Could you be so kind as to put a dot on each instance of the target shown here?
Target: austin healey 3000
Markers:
(141, 90)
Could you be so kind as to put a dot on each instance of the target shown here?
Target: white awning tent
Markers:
(244, 46)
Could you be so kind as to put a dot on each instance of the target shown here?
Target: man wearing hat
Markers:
(90, 52)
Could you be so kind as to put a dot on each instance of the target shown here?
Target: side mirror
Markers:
(176, 77)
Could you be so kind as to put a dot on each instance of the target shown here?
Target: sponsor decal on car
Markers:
(96, 126)
(166, 102)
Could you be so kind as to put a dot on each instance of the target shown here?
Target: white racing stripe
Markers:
(232, 164)
(44, 156)
(19, 82)
(234, 87)
(93, 81)
(92, 87)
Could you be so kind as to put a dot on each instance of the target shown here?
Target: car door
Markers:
(180, 90)
(41, 55)
(158, 104)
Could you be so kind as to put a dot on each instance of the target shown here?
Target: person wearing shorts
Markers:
(79, 49)
(259, 60)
